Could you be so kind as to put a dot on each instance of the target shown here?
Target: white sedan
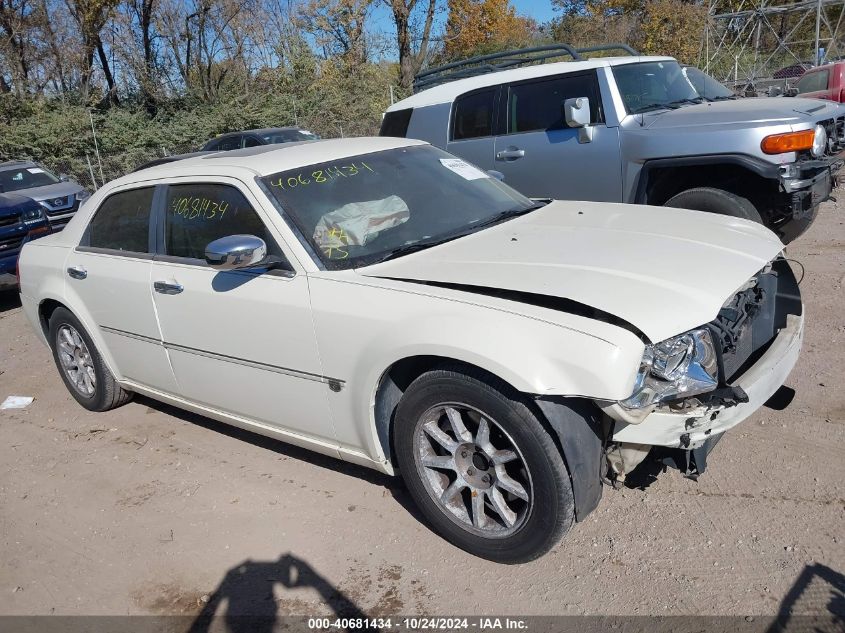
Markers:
(383, 302)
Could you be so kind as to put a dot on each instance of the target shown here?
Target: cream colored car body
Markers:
(301, 357)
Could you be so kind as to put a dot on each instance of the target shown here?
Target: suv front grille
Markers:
(10, 220)
(11, 245)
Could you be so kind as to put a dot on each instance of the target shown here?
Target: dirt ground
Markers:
(150, 510)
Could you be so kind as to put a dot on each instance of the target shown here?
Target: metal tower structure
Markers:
(746, 42)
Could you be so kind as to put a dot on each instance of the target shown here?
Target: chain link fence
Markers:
(96, 168)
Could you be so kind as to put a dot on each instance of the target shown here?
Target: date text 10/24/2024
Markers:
(418, 624)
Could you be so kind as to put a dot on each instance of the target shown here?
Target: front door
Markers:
(241, 342)
(542, 158)
(110, 272)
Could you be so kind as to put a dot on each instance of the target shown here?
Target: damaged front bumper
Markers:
(807, 184)
(691, 429)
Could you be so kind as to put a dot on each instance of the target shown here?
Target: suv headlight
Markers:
(681, 366)
(33, 215)
(82, 195)
(819, 142)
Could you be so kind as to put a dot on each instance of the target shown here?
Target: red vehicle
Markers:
(823, 82)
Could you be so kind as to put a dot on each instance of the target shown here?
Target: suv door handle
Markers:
(167, 288)
(511, 153)
(77, 272)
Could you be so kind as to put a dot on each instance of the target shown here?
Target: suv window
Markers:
(122, 223)
(252, 141)
(814, 81)
(473, 115)
(396, 123)
(538, 105)
(199, 213)
(225, 144)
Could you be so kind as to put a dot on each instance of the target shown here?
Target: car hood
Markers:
(14, 204)
(662, 270)
(748, 112)
(56, 190)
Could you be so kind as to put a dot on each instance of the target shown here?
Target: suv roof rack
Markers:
(483, 64)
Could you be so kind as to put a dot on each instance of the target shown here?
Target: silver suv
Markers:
(629, 129)
(59, 196)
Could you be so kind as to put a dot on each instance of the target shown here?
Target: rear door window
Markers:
(813, 81)
(538, 105)
(122, 223)
(396, 123)
(197, 214)
(473, 115)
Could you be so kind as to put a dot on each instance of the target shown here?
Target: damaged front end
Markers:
(693, 387)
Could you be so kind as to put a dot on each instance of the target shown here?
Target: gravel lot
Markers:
(150, 510)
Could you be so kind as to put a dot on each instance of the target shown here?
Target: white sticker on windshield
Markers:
(35, 170)
(465, 170)
(307, 132)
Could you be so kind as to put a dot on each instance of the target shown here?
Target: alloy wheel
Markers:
(76, 360)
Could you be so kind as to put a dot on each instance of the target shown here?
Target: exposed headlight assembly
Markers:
(32, 215)
(678, 367)
(819, 142)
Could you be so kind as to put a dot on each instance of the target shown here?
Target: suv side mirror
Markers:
(792, 91)
(576, 113)
(235, 252)
(64, 178)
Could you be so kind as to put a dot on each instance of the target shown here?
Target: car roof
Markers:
(260, 130)
(447, 92)
(16, 164)
(264, 160)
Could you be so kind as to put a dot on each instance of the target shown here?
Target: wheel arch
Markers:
(747, 176)
(574, 423)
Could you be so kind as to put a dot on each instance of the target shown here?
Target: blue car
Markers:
(22, 219)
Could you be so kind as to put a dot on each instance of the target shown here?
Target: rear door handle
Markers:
(77, 272)
(167, 288)
(511, 153)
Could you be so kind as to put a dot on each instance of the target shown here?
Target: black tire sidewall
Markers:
(552, 510)
(60, 317)
(718, 201)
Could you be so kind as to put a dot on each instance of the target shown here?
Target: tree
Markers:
(339, 26)
(475, 27)
(91, 17)
(410, 60)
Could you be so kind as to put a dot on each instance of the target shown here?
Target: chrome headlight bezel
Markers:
(681, 366)
(819, 142)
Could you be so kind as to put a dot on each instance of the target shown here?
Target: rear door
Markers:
(542, 157)
(110, 273)
(241, 342)
(471, 127)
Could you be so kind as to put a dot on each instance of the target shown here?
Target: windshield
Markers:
(25, 178)
(653, 85)
(288, 136)
(359, 210)
(707, 86)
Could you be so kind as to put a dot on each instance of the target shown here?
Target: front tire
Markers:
(481, 466)
(81, 366)
(719, 201)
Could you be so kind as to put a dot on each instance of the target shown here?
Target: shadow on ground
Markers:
(248, 593)
(818, 590)
(9, 300)
(393, 485)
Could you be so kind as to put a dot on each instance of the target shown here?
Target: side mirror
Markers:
(64, 178)
(235, 252)
(576, 113)
(792, 91)
(496, 174)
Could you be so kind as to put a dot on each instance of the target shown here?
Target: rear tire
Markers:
(81, 366)
(717, 201)
(481, 466)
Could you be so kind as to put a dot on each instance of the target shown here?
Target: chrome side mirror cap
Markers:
(576, 113)
(235, 252)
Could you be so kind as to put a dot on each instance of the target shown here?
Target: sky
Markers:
(540, 10)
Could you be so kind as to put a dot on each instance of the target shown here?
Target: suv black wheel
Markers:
(715, 201)
(81, 366)
(482, 467)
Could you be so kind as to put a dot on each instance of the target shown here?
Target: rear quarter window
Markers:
(396, 123)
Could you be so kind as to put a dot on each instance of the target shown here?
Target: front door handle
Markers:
(77, 272)
(167, 287)
(511, 153)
